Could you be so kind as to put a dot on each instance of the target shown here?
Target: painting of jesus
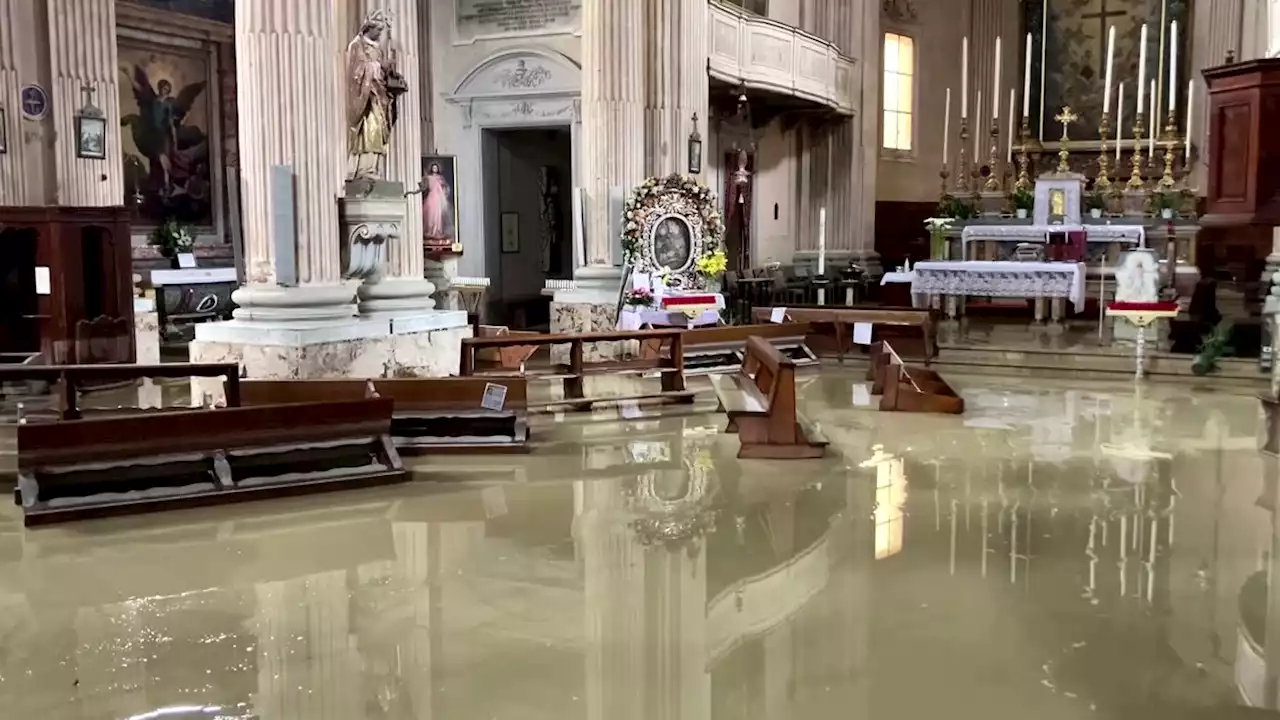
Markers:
(439, 200)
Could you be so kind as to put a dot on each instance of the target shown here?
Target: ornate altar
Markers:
(673, 240)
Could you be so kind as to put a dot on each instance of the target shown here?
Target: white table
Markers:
(903, 278)
(1126, 234)
(1038, 281)
(632, 318)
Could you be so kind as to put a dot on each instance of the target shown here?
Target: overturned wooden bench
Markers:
(430, 415)
(909, 389)
(668, 365)
(760, 400)
(143, 463)
(831, 326)
(713, 350)
(72, 380)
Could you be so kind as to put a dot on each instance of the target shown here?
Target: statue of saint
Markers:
(373, 84)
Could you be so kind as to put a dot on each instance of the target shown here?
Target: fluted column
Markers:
(82, 54)
(676, 83)
(1217, 28)
(22, 167)
(613, 142)
(403, 288)
(287, 93)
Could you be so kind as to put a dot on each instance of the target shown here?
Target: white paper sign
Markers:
(861, 395)
(186, 260)
(44, 285)
(629, 409)
(778, 315)
(495, 397)
(862, 333)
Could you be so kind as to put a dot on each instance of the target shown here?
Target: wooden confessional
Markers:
(66, 284)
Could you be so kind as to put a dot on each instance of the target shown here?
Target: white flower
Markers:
(935, 224)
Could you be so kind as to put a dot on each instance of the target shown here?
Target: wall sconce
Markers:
(91, 129)
(695, 148)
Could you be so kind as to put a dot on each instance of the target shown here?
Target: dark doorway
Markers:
(528, 207)
(19, 304)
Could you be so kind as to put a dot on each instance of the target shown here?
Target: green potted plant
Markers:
(1165, 204)
(953, 207)
(1213, 347)
(1095, 202)
(1022, 201)
(174, 239)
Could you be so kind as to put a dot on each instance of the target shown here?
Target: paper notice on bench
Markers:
(862, 333)
(44, 284)
(558, 416)
(629, 410)
(778, 315)
(495, 397)
(861, 395)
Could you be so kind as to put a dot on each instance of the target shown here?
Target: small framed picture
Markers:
(4, 132)
(91, 137)
(510, 232)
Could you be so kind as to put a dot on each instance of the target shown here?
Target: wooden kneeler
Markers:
(760, 401)
(909, 389)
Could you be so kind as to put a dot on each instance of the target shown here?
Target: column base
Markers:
(304, 305)
(396, 297)
(441, 273)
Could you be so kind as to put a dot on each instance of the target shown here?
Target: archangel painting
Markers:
(1075, 54)
(165, 119)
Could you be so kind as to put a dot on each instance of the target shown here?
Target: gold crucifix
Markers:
(1066, 117)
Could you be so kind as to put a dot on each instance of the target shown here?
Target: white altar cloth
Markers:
(1001, 279)
(1128, 234)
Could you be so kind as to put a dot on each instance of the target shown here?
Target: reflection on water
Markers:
(1058, 552)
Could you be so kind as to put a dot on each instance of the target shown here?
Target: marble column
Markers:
(287, 118)
(22, 167)
(403, 288)
(865, 31)
(82, 57)
(988, 20)
(675, 89)
(613, 120)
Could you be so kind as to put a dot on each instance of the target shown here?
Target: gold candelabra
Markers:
(962, 167)
(1136, 183)
(993, 162)
(1024, 159)
(1103, 181)
(944, 174)
(1170, 142)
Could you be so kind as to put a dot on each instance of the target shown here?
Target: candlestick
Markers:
(1173, 65)
(1026, 80)
(962, 166)
(1142, 70)
(943, 174)
(1111, 57)
(1103, 181)
(964, 77)
(1024, 159)
(1191, 96)
(977, 134)
(1151, 117)
(1012, 99)
(1136, 183)
(993, 162)
(995, 86)
(1119, 125)
(946, 129)
(1170, 142)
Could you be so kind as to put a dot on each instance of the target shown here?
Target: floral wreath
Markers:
(659, 198)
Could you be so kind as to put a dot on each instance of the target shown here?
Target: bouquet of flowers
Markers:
(639, 297)
(711, 265)
(173, 237)
(937, 227)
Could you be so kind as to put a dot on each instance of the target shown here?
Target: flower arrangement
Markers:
(937, 227)
(1022, 199)
(639, 297)
(651, 192)
(173, 238)
(953, 207)
(712, 264)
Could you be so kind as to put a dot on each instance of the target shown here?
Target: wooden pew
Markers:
(720, 349)
(142, 463)
(668, 365)
(72, 379)
(511, 357)
(431, 415)
(909, 389)
(831, 326)
(760, 400)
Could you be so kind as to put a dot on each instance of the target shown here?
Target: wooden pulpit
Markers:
(1244, 147)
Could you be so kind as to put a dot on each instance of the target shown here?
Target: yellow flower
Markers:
(713, 264)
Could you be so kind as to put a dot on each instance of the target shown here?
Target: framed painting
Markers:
(439, 201)
(168, 132)
(91, 137)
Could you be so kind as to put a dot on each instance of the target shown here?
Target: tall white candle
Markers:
(964, 77)
(1191, 96)
(1111, 57)
(946, 130)
(822, 241)
(1151, 147)
(977, 129)
(1142, 67)
(1119, 120)
(1013, 98)
(1026, 81)
(1173, 65)
(995, 87)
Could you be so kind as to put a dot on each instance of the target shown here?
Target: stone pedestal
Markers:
(146, 343)
(590, 307)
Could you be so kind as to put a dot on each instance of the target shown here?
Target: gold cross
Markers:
(1066, 117)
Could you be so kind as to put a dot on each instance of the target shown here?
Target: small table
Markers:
(1142, 315)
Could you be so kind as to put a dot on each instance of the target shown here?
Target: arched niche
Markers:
(519, 87)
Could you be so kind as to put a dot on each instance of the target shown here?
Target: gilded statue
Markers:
(373, 85)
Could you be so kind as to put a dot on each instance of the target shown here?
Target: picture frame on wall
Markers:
(510, 232)
(91, 137)
(439, 201)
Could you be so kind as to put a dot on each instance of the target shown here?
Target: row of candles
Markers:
(1142, 85)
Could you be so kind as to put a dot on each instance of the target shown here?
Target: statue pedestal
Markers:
(591, 306)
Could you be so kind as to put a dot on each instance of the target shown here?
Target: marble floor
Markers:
(1065, 549)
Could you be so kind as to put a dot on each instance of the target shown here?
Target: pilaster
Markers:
(23, 166)
(676, 81)
(1217, 29)
(82, 54)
